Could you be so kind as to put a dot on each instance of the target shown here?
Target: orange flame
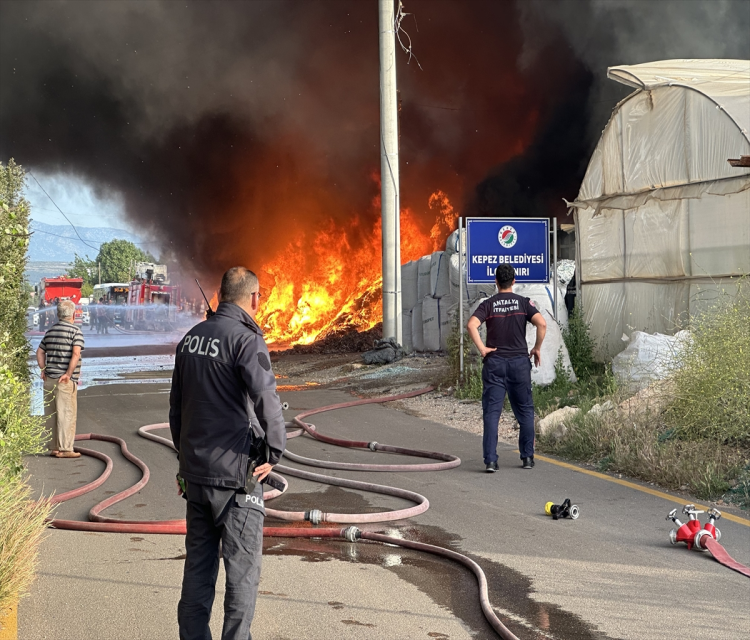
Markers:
(326, 282)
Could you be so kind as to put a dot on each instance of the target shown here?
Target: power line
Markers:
(63, 214)
(57, 235)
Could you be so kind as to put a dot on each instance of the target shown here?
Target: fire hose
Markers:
(100, 523)
(703, 537)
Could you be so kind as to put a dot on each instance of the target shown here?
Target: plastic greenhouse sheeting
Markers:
(662, 219)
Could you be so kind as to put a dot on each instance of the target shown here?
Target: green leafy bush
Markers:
(468, 385)
(22, 520)
(20, 433)
(14, 242)
(580, 345)
(712, 387)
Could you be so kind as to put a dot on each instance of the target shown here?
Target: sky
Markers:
(77, 199)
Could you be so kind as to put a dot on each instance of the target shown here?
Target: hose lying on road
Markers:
(351, 534)
(720, 555)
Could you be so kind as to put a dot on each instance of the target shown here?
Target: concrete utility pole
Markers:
(389, 189)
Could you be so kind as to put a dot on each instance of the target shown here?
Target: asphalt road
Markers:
(610, 574)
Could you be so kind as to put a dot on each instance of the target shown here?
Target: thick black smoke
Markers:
(233, 128)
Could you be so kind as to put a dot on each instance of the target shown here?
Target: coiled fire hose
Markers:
(351, 534)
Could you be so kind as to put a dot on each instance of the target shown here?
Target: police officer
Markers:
(223, 404)
(507, 365)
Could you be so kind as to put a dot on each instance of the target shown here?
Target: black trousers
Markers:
(512, 376)
(220, 515)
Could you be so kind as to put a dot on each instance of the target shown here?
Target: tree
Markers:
(14, 242)
(85, 269)
(117, 258)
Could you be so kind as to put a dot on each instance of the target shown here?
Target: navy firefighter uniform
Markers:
(223, 400)
(507, 370)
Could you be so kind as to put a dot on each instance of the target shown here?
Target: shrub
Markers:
(22, 520)
(20, 433)
(580, 345)
(22, 525)
(642, 449)
(712, 387)
(470, 384)
(14, 242)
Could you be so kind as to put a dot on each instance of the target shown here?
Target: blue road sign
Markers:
(522, 243)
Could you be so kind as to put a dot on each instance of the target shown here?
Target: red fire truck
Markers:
(53, 290)
(152, 302)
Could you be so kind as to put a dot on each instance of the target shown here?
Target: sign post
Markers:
(523, 243)
(460, 297)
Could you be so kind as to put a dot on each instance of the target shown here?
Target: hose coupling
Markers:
(372, 446)
(673, 536)
(673, 517)
(285, 406)
(314, 515)
(352, 534)
(713, 515)
(699, 537)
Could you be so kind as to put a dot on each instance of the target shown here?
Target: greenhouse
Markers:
(662, 218)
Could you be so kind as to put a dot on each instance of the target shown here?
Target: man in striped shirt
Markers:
(59, 358)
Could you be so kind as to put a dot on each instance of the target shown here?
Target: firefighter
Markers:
(223, 406)
(507, 363)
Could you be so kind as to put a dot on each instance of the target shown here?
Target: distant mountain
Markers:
(59, 243)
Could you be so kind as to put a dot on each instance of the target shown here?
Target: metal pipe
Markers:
(460, 298)
(554, 264)
(389, 174)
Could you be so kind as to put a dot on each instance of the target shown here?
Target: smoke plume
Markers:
(231, 129)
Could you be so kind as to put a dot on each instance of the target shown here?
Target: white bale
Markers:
(482, 327)
(453, 259)
(448, 318)
(406, 341)
(472, 292)
(451, 244)
(424, 265)
(541, 295)
(565, 271)
(409, 287)
(440, 282)
(648, 357)
(430, 324)
(553, 345)
(417, 337)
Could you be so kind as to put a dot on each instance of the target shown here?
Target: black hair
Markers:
(504, 276)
